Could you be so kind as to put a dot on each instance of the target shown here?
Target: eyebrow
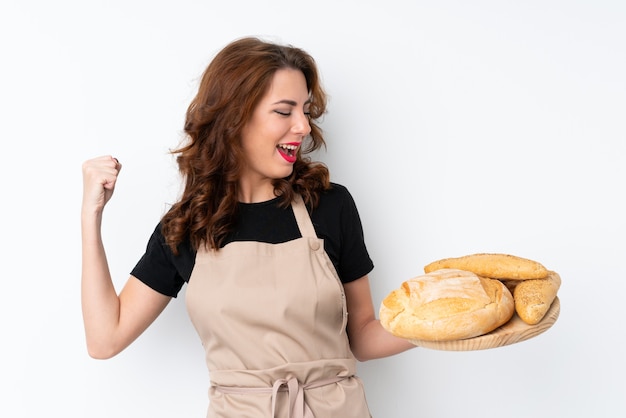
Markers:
(290, 102)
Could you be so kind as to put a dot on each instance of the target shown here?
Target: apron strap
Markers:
(297, 407)
(302, 217)
(308, 231)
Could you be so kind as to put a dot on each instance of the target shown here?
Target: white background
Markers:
(459, 127)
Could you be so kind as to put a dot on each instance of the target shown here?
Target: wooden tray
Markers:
(512, 332)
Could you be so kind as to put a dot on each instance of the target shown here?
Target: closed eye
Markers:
(307, 113)
(292, 104)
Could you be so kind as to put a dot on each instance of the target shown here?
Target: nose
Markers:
(301, 125)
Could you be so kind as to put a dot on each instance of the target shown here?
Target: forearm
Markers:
(368, 339)
(100, 302)
(373, 342)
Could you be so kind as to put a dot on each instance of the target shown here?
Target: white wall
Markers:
(459, 127)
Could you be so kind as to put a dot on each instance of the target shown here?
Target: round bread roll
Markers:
(446, 305)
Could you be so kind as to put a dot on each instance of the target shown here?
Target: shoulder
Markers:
(336, 199)
(158, 249)
(160, 268)
(337, 188)
(337, 194)
(335, 203)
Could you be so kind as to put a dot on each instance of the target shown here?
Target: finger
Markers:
(102, 170)
(118, 165)
(105, 163)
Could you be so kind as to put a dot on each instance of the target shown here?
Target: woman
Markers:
(271, 251)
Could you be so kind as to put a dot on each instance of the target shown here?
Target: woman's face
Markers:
(274, 133)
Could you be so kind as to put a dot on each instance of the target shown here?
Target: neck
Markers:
(257, 193)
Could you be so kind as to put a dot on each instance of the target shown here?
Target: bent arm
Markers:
(111, 321)
(368, 339)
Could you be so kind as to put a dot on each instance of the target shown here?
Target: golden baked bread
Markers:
(511, 284)
(446, 305)
(495, 266)
(534, 297)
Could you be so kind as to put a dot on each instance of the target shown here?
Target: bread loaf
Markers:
(534, 297)
(495, 266)
(511, 284)
(446, 305)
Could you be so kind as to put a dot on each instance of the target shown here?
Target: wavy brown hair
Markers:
(211, 157)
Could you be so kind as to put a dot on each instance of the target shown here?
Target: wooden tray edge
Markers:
(512, 332)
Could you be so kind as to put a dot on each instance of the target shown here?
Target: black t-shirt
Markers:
(335, 219)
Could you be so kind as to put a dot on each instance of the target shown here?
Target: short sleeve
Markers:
(336, 220)
(355, 261)
(159, 269)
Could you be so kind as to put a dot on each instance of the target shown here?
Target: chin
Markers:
(286, 172)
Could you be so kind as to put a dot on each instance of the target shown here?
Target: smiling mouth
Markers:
(288, 151)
